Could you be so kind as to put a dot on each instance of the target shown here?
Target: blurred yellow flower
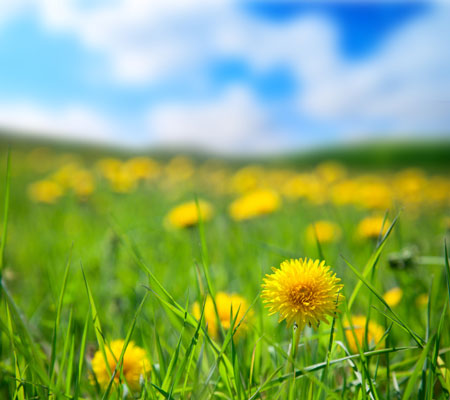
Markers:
(297, 186)
(422, 300)
(121, 178)
(225, 303)
(109, 167)
(64, 175)
(344, 192)
(438, 191)
(82, 183)
(142, 167)
(374, 194)
(123, 182)
(247, 179)
(135, 364)
(303, 291)
(186, 214)
(371, 227)
(276, 178)
(392, 297)
(179, 169)
(331, 171)
(214, 175)
(374, 333)
(316, 190)
(45, 191)
(254, 204)
(306, 185)
(410, 186)
(323, 231)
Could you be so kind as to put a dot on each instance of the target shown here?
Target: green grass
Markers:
(77, 275)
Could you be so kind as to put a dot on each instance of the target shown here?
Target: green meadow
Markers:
(88, 261)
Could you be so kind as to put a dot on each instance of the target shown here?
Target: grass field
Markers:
(98, 263)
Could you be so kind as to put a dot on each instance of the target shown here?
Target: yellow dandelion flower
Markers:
(297, 186)
(214, 175)
(317, 192)
(323, 231)
(186, 214)
(370, 227)
(438, 191)
(331, 171)
(254, 204)
(344, 192)
(225, 303)
(277, 178)
(109, 167)
(121, 178)
(123, 181)
(374, 332)
(142, 167)
(410, 186)
(135, 364)
(247, 178)
(374, 194)
(83, 183)
(64, 175)
(45, 191)
(303, 291)
(179, 169)
(393, 296)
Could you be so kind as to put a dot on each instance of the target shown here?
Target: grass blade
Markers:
(407, 394)
(416, 338)
(19, 394)
(81, 357)
(316, 367)
(447, 269)
(119, 363)
(205, 265)
(373, 260)
(58, 315)
(5, 212)
(96, 321)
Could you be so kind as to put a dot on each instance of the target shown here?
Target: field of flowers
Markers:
(184, 279)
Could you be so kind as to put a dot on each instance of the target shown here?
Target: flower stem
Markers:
(292, 356)
(292, 352)
(295, 341)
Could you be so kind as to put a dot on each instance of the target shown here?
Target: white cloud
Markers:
(72, 122)
(403, 88)
(143, 39)
(233, 123)
(147, 40)
(400, 88)
(150, 41)
(8, 9)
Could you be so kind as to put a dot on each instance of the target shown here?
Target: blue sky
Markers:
(225, 76)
